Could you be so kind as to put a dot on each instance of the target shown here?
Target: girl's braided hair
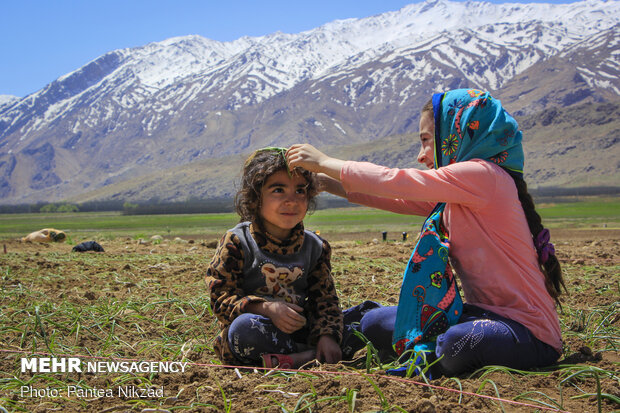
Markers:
(257, 169)
(551, 266)
(554, 281)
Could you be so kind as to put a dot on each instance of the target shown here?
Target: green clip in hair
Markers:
(281, 151)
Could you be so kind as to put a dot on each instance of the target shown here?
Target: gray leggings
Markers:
(251, 335)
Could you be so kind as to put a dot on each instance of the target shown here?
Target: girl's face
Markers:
(284, 203)
(427, 137)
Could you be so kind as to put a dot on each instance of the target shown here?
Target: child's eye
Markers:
(278, 190)
(301, 191)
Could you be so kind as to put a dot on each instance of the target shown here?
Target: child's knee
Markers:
(378, 326)
(241, 323)
(378, 323)
(244, 332)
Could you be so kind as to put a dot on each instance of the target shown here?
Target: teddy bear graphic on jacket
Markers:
(279, 282)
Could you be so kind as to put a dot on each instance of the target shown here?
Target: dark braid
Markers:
(551, 269)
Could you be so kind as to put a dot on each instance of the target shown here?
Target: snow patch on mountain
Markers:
(7, 99)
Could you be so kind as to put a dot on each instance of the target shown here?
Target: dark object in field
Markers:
(88, 246)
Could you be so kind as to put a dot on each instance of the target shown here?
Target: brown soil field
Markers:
(146, 301)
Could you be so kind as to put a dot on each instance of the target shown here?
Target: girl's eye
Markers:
(278, 190)
(301, 191)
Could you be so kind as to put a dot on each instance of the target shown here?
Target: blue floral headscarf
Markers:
(471, 124)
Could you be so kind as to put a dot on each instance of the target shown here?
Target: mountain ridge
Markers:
(546, 159)
(133, 112)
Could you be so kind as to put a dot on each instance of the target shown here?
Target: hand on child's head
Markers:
(305, 156)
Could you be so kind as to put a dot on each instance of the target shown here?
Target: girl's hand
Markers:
(305, 156)
(285, 316)
(328, 351)
(310, 158)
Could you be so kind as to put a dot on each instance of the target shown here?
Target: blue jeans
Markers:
(252, 335)
(481, 338)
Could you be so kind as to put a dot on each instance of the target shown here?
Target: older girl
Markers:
(498, 247)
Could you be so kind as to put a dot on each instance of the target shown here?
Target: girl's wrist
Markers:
(329, 336)
(331, 167)
(258, 307)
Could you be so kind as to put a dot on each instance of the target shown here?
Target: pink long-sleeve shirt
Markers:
(491, 247)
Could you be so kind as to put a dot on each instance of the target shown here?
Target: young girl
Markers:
(270, 280)
(501, 252)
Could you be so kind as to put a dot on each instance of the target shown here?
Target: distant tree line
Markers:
(191, 206)
(206, 206)
(62, 207)
(200, 206)
(558, 194)
(59, 208)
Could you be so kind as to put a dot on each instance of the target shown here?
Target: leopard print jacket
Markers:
(228, 300)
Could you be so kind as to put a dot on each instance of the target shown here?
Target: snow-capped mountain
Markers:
(134, 111)
(6, 100)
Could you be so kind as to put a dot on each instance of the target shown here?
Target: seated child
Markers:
(270, 280)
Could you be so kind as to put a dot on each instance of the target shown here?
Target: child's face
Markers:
(427, 137)
(284, 203)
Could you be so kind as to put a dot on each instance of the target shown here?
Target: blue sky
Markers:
(42, 40)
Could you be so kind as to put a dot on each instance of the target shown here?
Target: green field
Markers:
(598, 212)
(148, 301)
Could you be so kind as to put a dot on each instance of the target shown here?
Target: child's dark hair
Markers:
(258, 167)
(554, 282)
